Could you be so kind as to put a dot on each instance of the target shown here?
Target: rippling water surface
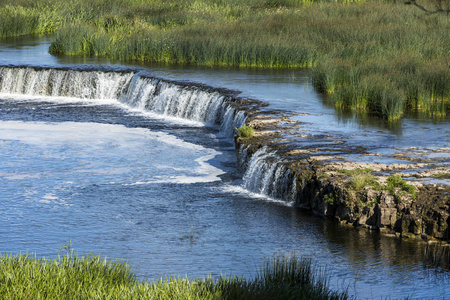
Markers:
(165, 195)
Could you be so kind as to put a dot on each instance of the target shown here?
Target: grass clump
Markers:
(245, 131)
(360, 178)
(17, 20)
(395, 181)
(356, 171)
(93, 277)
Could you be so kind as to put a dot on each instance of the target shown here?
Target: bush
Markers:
(245, 131)
(395, 181)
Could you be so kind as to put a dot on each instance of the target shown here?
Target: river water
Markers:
(164, 192)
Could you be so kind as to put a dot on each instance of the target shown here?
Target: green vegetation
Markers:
(93, 277)
(381, 56)
(330, 199)
(395, 181)
(245, 131)
(17, 20)
(356, 171)
(324, 176)
(442, 176)
(361, 178)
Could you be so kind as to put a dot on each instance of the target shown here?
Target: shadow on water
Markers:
(364, 249)
(386, 248)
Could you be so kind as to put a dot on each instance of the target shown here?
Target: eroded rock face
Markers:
(358, 193)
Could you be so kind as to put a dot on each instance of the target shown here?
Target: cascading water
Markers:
(268, 176)
(264, 175)
(132, 89)
(63, 83)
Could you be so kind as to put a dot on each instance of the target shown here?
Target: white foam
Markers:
(103, 149)
(239, 189)
(206, 172)
(58, 99)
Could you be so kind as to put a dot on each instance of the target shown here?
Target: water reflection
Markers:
(364, 120)
(367, 248)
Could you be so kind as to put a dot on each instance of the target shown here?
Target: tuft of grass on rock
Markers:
(395, 181)
(245, 131)
(360, 178)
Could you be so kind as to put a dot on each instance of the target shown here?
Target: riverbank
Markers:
(371, 57)
(408, 197)
(91, 277)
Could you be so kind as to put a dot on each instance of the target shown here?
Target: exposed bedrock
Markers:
(372, 195)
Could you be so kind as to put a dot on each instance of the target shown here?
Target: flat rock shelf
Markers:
(410, 198)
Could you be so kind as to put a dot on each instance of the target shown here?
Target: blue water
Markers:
(165, 194)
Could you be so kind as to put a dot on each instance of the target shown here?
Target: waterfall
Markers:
(267, 175)
(130, 88)
(62, 83)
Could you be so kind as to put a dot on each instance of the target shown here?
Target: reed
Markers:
(380, 57)
(18, 20)
(93, 277)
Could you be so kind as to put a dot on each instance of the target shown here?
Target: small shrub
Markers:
(245, 131)
(359, 181)
(395, 181)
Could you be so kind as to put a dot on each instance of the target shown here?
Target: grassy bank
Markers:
(378, 57)
(92, 277)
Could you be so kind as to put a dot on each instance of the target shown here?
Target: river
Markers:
(112, 178)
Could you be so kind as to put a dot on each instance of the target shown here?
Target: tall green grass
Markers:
(16, 20)
(93, 277)
(381, 57)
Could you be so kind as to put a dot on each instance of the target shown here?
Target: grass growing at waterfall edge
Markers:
(93, 277)
(381, 57)
(245, 131)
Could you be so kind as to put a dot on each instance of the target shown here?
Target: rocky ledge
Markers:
(409, 197)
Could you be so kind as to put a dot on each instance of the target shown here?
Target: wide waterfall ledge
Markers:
(402, 192)
(135, 90)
